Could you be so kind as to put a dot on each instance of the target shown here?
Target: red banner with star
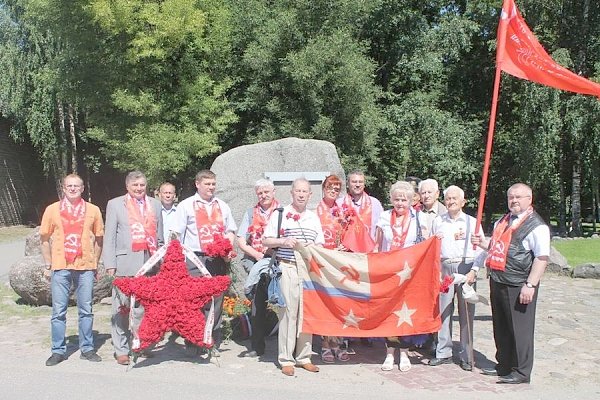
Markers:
(372, 295)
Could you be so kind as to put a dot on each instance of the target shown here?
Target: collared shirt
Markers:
(430, 215)
(185, 219)
(51, 227)
(538, 240)
(457, 232)
(168, 217)
(388, 235)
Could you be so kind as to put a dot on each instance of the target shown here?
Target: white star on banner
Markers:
(351, 320)
(404, 315)
(405, 274)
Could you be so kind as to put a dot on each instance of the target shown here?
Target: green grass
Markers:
(9, 307)
(579, 251)
(10, 233)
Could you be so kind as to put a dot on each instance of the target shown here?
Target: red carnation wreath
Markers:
(172, 299)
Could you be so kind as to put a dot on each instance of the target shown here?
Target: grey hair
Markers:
(301, 179)
(134, 176)
(263, 182)
(454, 187)
(429, 181)
(403, 187)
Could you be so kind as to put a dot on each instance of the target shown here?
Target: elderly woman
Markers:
(399, 228)
(331, 217)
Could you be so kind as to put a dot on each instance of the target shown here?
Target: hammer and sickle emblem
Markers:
(327, 234)
(499, 248)
(351, 274)
(71, 240)
(204, 231)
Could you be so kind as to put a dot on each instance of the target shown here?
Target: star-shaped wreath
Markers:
(172, 299)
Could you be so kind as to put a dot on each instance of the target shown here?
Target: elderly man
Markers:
(455, 228)
(299, 227)
(76, 229)
(197, 219)
(249, 238)
(134, 231)
(367, 208)
(432, 208)
(517, 257)
(166, 195)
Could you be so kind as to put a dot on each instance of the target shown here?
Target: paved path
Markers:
(567, 362)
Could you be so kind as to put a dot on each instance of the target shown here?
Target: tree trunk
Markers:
(73, 140)
(576, 228)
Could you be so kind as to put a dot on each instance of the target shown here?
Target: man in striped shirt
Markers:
(299, 227)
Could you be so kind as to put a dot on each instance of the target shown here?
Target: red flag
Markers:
(372, 295)
(520, 54)
(357, 238)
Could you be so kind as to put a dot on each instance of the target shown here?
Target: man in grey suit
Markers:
(133, 232)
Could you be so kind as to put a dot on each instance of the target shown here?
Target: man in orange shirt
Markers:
(76, 229)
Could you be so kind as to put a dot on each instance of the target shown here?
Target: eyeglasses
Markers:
(333, 189)
(72, 186)
(518, 197)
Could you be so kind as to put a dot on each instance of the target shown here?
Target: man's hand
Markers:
(526, 295)
(290, 242)
(110, 271)
(471, 276)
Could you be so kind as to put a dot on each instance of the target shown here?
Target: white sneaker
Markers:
(388, 364)
(404, 364)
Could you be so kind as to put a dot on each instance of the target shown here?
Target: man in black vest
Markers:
(517, 257)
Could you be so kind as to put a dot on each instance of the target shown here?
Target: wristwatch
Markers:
(529, 285)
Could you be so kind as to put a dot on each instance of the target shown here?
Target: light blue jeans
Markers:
(61, 287)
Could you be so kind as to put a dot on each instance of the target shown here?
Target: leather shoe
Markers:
(54, 359)
(466, 365)
(309, 367)
(287, 370)
(489, 371)
(434, 362)
(123, 359)
(513, 379)
(90, 356)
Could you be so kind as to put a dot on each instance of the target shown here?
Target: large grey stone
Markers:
(32, 243)
(238, 169)
(557, 262)
(27, 280)
(588, 271)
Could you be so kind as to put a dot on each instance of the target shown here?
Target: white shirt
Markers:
(307, 229)
(385, 224)
(538, 239)
(185, 220)
(168, 217)
(456, 242)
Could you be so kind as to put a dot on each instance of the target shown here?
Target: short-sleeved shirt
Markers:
(307, 230)
(456, 242)
(52, 228)
(185, 220)
(538, 240)
(385, 224)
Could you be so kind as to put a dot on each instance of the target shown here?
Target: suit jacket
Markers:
(116, 252)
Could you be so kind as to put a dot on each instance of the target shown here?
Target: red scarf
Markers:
(207, 225)
(259, 221)
(500, 242)
(331, 223)
(141, 225)
(72, 217)
(365, 210)
(399, 230)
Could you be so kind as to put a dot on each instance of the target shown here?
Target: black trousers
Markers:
(514, 325)
(259, 315)
(216, 267)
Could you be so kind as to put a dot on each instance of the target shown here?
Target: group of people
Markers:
(136, 225)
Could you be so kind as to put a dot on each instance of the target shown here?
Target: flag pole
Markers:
(488, 149)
